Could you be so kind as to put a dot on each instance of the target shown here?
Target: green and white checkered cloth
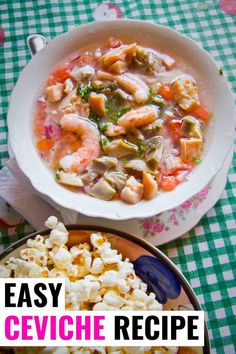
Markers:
(206, 255)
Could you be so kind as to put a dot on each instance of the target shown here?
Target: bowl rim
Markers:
(146, 208)
(135, 239)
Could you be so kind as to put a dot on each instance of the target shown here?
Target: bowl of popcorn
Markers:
(105, 269)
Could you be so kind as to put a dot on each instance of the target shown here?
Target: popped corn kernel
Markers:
(4, 272)
(51, 222)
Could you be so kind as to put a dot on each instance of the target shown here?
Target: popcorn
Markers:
(137, 350)
(51, 222)
(85, 290)
(96, 278)
(61, 258)
(97, 266)
(4, 272)
(56, 350)
(113, 299)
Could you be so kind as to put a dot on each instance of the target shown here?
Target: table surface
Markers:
(206, 255)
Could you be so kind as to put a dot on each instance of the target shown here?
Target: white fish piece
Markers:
(82, 73)
(70, 179)
(68, 86)
(54, 93)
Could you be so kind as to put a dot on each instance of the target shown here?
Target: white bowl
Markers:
(33, 77)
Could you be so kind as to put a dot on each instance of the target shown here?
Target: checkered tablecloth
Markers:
(206, 255)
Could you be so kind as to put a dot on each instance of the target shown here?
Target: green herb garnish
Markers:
(103, 128)
(221, 72)
(124, 161)
(196, 160)
(104, 141)
(118, 113)
(94, 118)
(150, 91)
(84, 91)
(141, 151)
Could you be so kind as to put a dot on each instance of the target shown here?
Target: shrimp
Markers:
(138, 117)
(114, 130)
(90, 143)
(131, 83)
(118, 54)
(135, 86)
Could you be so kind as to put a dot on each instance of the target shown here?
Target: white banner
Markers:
(33, 314)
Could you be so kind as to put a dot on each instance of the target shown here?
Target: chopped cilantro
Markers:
(108, 106)
(84, 91)
(94, 117)
(196, 160)
(141, 151)
(104, 141)
(118, 113)
(124, 161)
(221, 72)
(103, 128)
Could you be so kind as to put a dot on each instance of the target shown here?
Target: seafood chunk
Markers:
(119, 67)
(135, 166)
(98, 103)
(121, 54)
(149, 185)
(191, 127)
(190, 149)
(102, 190)
(135, 86)
(185, 93)
(54, 93)
(116, 179)
(82, 73)
(129, 82)
(133, 191)
(120, 148)
(154, 128)
(69, 86)
(168, 61)
(90, 143)
(101, 164)
(70, 179)
(114, 130)
(104, 75)
(138, 117)
(154, 148)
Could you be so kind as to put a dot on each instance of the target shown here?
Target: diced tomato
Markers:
(168, 183)
(114, 42)
(201, 112)
(45, 145)
(59, 74)
(165, 91)
(173, 127)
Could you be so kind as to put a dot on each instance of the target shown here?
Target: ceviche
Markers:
(121, 121)
(97, 278)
